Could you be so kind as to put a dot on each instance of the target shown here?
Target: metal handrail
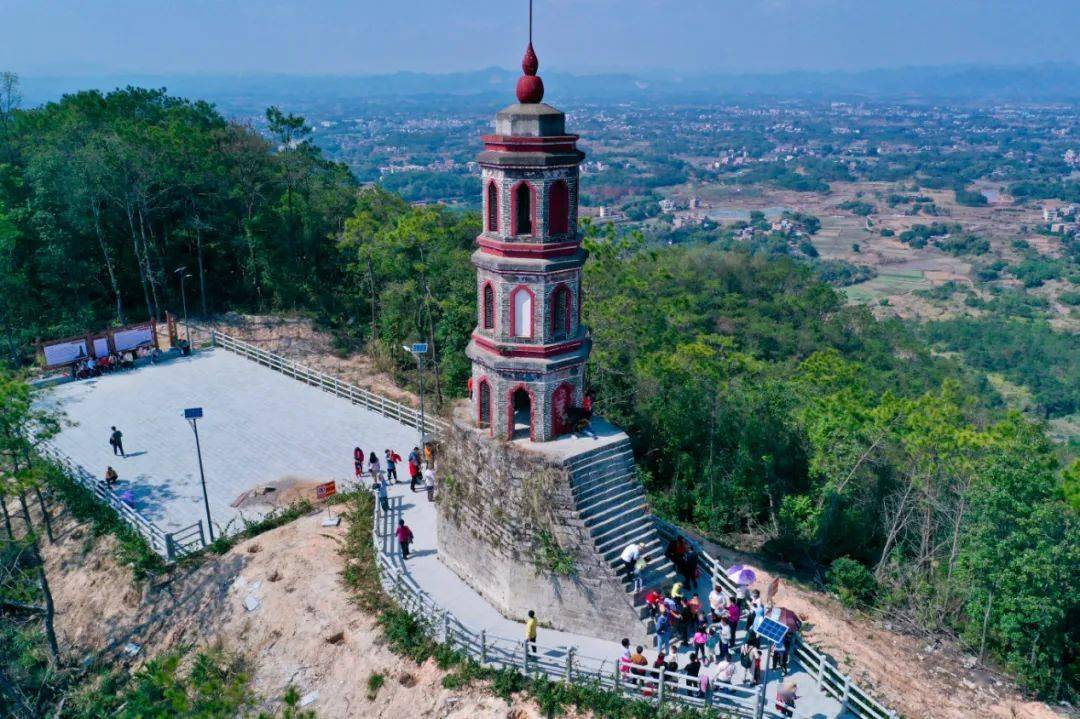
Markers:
(328, 383)
(170, 545)
(829, 678)
(564, 664)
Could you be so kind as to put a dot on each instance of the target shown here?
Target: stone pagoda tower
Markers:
(529, 347)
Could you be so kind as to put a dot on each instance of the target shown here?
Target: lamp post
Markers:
(184, 274)
(418, 350)
(192, 414)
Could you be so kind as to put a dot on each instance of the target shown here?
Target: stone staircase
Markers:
(611, 502)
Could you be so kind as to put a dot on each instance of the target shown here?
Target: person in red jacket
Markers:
(358, 462)
(404, 537)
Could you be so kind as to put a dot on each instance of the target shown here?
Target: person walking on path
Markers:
(384, 500)
(414, 468)
(733, 615)
(429, 483)
(116, 440)
(785, 699)
(404, 537)
(530, 632)
(392, 459)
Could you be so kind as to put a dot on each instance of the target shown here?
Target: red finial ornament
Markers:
(530, 88)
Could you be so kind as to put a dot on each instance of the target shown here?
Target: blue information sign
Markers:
(193, 413)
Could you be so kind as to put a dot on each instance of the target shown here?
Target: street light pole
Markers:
(192, 415)
(183, 297)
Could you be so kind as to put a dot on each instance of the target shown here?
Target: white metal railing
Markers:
(328, 383)
(563, 663)
(170, 545)
(828, 677)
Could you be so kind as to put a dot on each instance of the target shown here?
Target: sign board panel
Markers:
(772, 630)
(419, 348)
(134, 337)
(325, 490)
(193, 413)
(63, 353)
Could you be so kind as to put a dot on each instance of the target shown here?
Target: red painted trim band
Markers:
(526, 351)
(526, 249)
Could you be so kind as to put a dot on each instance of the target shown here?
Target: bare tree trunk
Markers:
(108, 263)
(50, 608)
(7, 519)
(45, 516)
(149, 268)
(371, 282)
(26, 513)
(150, 313)
(202, 270)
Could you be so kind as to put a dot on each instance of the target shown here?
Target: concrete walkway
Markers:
(261, 428)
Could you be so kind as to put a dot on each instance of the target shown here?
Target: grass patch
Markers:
(274, 519)
(375, 682)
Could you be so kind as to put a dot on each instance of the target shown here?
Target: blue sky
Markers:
(54, 37)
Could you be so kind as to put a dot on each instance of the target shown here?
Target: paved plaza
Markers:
(259, 427)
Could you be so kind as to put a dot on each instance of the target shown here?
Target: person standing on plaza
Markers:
(374, 468)
(358, 463)
(530, 632)
(404, 537)
(116, 440)
(392, 459)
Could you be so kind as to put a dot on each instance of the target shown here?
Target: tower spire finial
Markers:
(530, 88)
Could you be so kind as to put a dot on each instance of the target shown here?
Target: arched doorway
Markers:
(521, 413)
(559, 209)
(561, 401)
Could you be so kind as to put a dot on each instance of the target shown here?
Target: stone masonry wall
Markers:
(495, 504)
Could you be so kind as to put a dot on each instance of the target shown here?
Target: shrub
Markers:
(852, 582)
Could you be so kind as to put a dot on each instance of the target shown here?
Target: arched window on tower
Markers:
(559, 209)
(488, 310)
(560, 313)
(484, 404)
(523, 209)
(492, 207)
(521, 312)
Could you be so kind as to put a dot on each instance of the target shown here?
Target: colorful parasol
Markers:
(741, 574)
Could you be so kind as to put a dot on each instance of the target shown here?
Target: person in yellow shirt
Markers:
(530, 632)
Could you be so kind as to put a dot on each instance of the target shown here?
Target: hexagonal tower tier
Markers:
(529, 347)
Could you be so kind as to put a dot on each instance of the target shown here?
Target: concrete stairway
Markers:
(611, 503)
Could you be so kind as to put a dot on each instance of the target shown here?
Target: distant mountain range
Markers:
(1032, 83)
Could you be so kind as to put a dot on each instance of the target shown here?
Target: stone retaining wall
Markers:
(502, 512)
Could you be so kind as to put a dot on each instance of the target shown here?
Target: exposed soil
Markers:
(302, 629)
(297, 339)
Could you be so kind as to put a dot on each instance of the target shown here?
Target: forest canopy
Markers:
(758, 401)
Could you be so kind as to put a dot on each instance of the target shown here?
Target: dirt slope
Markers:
(302, 631)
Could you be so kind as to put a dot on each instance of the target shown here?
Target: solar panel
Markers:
(772, 630)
